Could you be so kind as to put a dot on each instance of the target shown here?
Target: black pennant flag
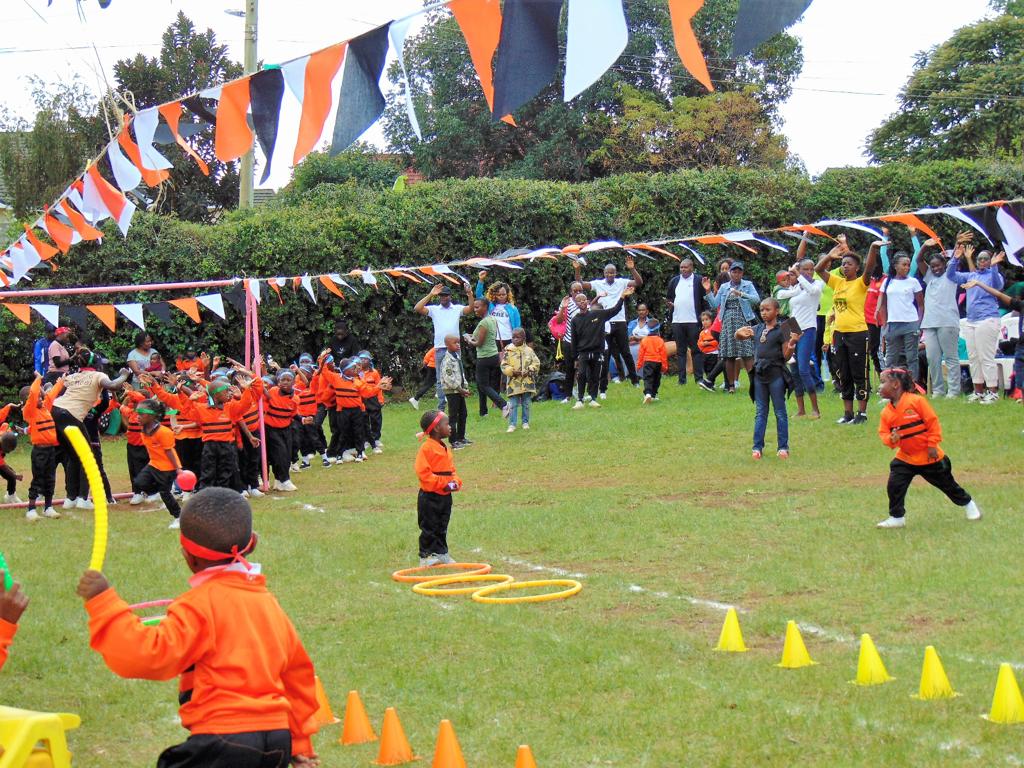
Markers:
(361, 101)
(527, 56)
(159, 309)
(265, 91)
(760, 19)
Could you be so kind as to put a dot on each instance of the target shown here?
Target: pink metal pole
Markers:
(115, 289)
(252, 310)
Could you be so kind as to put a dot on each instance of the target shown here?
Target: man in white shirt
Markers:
(445, 317)
(685, 297)
(609, 290)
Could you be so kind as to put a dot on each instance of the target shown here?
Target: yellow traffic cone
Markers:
(870, 669)
(447, 753)
(794, 652)
(357, 728)
(524, 758)
(1007, 704)
(934, 683)
(324, 715)
(731, 639)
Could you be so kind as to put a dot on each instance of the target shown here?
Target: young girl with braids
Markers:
(435, 469)
(910, 426)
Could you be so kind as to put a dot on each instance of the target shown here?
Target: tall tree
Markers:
(189, 61)
(965, 98)
(39, 157)
(555, 140)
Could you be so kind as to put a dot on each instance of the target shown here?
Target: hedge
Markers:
(334, 228)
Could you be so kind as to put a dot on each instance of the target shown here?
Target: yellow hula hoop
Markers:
(431, 588)
(414, 575)
(485, 595)
(99, 495)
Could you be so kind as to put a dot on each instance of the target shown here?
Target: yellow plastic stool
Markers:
(21, 730)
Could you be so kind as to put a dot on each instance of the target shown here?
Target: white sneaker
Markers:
(974, 397)
(296, 467)
(377, 449)
(511, 428)
(429, 560)
(526, 425)
(288, 485)
(971, 511)
(51, 513)
(175, 524)
(647, 399)
(278, 485)
(69, 504)
(245, 494)
(85, 504)
(348, 456)
(989, 398)
(952, 395)
(12, 498)
(136, 499)
(153, 498)
(594, 404)
(367, 446)
(587, 398)
(360, 457)
(414, 403)
(445, 559)
(256, 493)
(31, 515)
(616, 380)
(893, 522)
(603, 395)
(186, 496)
(578, 406)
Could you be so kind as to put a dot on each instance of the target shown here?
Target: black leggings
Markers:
(279, 451)
(618, 348)
(939, 474)
(190, 454)
(874, 342)
(457, 414)
(433, 511)
(9, 475)
(75, 475)
(152, 480)
(852, 363)
(138, 458)
(589, 365)
(44, 474)
(486, 367)
(220, 465)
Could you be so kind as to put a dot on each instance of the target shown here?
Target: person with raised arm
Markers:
(445, 316)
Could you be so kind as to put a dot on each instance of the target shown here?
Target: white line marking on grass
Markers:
(536, 568)
(309, 507)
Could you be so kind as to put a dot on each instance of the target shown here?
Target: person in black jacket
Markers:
(342, 344)
(588, 343)
(685, 298)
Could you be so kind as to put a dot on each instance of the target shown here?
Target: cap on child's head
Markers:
(218, 519)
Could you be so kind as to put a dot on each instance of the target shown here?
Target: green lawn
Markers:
(664, 514)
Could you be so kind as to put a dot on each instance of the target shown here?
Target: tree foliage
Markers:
(360, 164)
(189, 61)
(555, 140)
(965, 97)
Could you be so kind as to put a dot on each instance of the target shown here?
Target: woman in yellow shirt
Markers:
(850, 339)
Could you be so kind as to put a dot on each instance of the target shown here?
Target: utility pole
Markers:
(247, 167)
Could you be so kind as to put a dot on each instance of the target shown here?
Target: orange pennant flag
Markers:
(274, 287)
(45, 250)
(654, 248)
(111, 196)
(403, 273)
(21, 311)
(172, 114)
(330, 286)
(719, 240)
(61, 233)
(84, 228)
(808, 228)
(106, 313)
(480, 22)
(316, 97)
(151, 177)
(682, 12)
(4, 279)
(189, 306)
(232, 135)
(912, 221)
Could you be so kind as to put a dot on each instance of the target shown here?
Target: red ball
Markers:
(187, 480)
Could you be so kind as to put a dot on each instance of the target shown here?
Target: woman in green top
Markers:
(485, 340)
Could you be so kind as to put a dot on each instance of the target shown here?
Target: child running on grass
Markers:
(13, 603)
(520, 365)
(42, 433)
(652, 361)
(247, 690)
(163, 466)
(435, 468)
(909, 425)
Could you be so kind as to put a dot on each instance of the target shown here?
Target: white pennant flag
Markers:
(254, 289)
(32, 257)
(1013, 235)
(213, 302)
(308, 285)
(50, 313)
(145, 129)
(397, 32)
(339, 280)
(368, 277)
(597, 35)
(133, 312)
(126, 174)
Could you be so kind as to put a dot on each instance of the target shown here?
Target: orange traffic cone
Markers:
(524, 758)
(394, 747)
(448, 753)
(357, 728)
(324, 715)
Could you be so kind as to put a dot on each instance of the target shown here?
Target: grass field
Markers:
(664, 515)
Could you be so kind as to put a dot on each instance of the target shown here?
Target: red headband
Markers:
(434, 423)
(236, 555)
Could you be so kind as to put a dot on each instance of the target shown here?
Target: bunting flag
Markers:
(759, 20)
(213, 302)
(276, 284)
(25, 259)
(45, 250)
(807, 229)
(134, 313)
(85, 230)
(682, 12)
(480, 22)
(236, 297)
(266, 88)
(597, 36)
(957, 214)
(172, 114)
(913, 222)
(361, 101)
(851, 225)
(160, 309)
(253, 286)
(746, 236)
(127, 176)
(397, 33)
(21, 311)
(307, 283)
(189, 306)
(49, 312)
(316, 95)
(152, 177)
(106, 313)
(74, 315)
(1011, 221)
(197, 107)
(145, 124)
(63, 235)
(527, 55)
(327, 283)
(232, 135)
(103, 200)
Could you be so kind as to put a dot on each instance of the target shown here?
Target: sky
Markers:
(857, 55)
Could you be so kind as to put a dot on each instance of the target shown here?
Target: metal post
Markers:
(246, 169)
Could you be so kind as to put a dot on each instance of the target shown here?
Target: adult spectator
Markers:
(589, 337)
(737, 298)
(901, 304)
(850, 335)
(485, 340)
(342, 344)
(140, 357)
(501, 306)
(445, 316)
(81, 391)
(59, 354)
(567, 310)
(803, 298)
(685, 298)
(981, 330)
(609, 290)
(1016, 305)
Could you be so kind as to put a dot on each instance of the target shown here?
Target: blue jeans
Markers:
(776, 390)
(806, 361)
(439, 354)
(517, 401)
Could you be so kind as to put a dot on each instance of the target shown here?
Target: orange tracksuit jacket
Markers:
(217, 425)
(707, 343)
(918, 426)
(7, 632)
(281, 408)
(241, 663)
(371, 379)
(435, 467)
(41, 429)
(348, 393)
(652, 350)
(306, 394)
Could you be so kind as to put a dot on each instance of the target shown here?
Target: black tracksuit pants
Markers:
(44, 475)
(322, 412)
(652, 378)
(457, 416)
(152, 480)
(220, 465)
(589, 367)
(74, 480)
(433, 511)
(248, 473)
(374, 421)
(939, 474)
(279, 451)
(349, 432)
(256, 749)
(685, 336)
(138, 457)
(9, 475)
(618, 348)
(190, 454)
(852, 363)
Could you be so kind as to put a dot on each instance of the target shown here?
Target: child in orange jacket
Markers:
(305, 440)
(42, 433)
(246, 687)
(281, 406)
(438, 481)
(652, 361)
(8, 443)
(373, 400)
(909, 425)
(12, 604)
(162, 463)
